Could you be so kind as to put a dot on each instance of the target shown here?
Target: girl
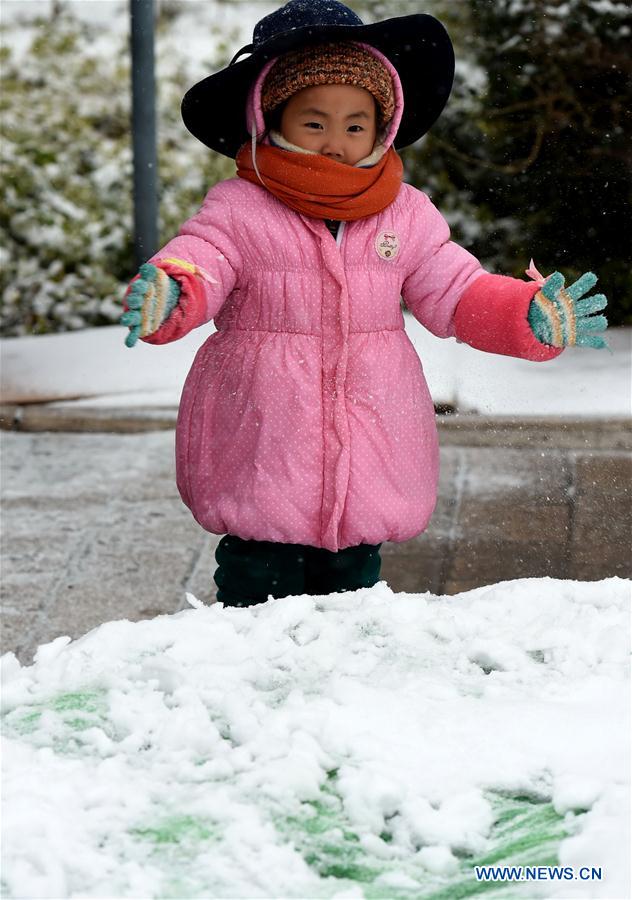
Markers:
(306, 432)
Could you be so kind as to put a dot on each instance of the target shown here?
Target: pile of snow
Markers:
(364, 744)
(97, 369)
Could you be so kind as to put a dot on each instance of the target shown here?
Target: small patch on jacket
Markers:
(387, 244)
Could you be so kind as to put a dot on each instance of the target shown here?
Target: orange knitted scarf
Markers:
(320, 187)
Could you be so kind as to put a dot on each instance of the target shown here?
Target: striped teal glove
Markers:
(151, 297)
(559, 318)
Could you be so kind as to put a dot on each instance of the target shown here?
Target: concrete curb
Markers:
(117, 420)
(555, 433)
(457, 429)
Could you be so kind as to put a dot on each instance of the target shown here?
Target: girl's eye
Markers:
(359, 127)
(314, 124)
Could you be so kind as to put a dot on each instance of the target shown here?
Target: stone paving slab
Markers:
(94, 529)
(602, 531)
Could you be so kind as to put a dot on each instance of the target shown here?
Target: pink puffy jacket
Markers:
(306, 417)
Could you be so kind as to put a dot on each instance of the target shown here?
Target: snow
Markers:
(608, 8)
(94, 367)
(95, 362)
(578, 383)
(363, 744)
(192, 37)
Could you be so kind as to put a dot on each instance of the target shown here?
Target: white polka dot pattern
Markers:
(306, 418)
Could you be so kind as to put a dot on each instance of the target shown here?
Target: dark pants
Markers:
(250, 571)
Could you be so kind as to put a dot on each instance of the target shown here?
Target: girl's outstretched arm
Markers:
(450, 293)
(185, 283)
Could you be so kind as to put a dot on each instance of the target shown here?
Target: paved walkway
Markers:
(94, 529)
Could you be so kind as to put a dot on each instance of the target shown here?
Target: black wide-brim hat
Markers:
(418, 46)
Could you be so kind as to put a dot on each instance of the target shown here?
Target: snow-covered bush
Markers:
(66, 176)
(554, 136)
(532, 155)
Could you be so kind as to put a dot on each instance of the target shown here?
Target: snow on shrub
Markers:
(66, 173)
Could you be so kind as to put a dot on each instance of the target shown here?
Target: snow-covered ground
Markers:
(367, 744)
(95, 367)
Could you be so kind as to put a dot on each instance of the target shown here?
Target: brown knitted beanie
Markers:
(341, 63)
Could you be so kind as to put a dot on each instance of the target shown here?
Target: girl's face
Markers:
(335, 120)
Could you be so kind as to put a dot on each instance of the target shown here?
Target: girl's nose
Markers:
(333, 145)
(333, 149)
